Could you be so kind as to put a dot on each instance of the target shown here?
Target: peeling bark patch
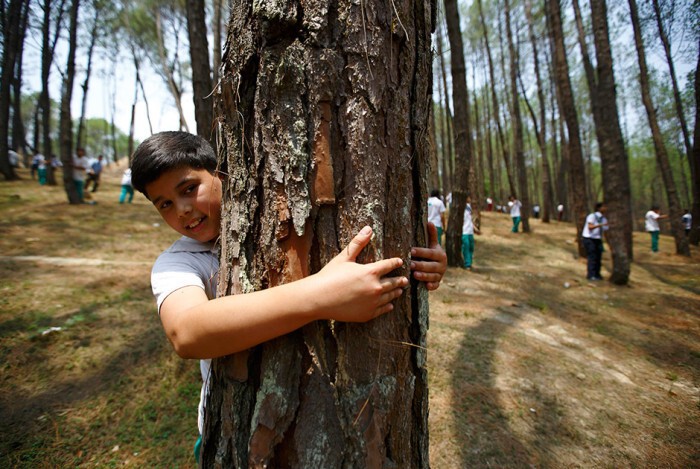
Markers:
(324, 187)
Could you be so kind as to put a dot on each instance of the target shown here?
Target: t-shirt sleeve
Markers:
(170, 273)
(442, 207)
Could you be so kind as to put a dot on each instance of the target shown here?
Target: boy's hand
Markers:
(434, 261)
(353, 292)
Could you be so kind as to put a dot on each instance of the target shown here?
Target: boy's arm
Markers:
(433, 263)
(343, 290)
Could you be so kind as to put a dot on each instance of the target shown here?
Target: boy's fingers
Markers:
(385, 266)
(422, 266)
(427, 253)
(432, 235)
(392, 283)
(427, 277)
(390, 296)
(358, 243)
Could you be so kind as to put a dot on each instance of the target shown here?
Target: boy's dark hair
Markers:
(165, 151)
(655, 207)
(598, 205)
(435, 193)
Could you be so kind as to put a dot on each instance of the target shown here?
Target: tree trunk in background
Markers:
(168, 73)
(48, 45)
(86, 83)
(674, 81)
(462, 137)
(489, 146)
(694, 237)
(66, 123)
(444, 179)
(613, 155)
(19, 142)
(542, 136)
(575, 170)
(448, 176)
(323, 120)
(674, 205)
(518, 143)
(11, 37)
(494, 98)
(434, 176)
(201, 69)
(216, 47)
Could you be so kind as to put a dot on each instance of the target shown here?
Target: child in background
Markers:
(127, 188)
(651, 223)
(436, 213)
(515, 205)
(468, 230)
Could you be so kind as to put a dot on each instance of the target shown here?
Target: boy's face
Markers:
(189, 200)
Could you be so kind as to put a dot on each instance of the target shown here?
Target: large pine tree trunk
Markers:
(448, 167)
(323, 128)
(664, 163)
(565, 97)
(11, 38)
(462, 137)
(613, 155)
(518, 143)
(66, 123)
(88, 72)
(695, 160)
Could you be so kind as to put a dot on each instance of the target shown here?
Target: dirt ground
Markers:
(525, 371)
(533, 366)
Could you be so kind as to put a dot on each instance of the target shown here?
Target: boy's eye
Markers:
(165, 205)
(189, 189)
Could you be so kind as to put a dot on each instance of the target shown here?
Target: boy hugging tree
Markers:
(177, 172)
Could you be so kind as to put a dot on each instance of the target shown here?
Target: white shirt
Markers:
(596, 219)
(126, 177)
(468, 224)
(79, 174)
(651, 221)
(560, 208)
(687, 221)
(515, 208)
(435, 209)
(187, 263)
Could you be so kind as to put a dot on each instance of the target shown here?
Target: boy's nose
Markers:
(183, 208)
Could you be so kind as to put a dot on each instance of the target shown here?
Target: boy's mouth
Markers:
(194, 224)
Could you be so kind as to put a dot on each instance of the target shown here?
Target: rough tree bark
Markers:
(694, 237)
(88, 72)
(11, 37)
(565, 97)
(66, 123)
(447, 162)
(613, 155)
(201, 69)
(518, 143)
(674, 205)
(19, 142)
(323, 127)
(462, 137)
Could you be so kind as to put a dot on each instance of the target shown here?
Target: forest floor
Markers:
(524, 370)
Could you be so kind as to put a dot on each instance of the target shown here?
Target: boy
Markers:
(592, 236)
(468, 230)
(80, 165)
(515, 205)
(436, 213)
(651, 223)
(176, 171)
(687, 220)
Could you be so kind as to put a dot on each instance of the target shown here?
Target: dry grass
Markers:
(523, 372)
(531, 373)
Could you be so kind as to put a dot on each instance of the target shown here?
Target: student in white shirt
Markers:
(687, 220)
(592, 236)
(651, 223)
(515, 205)
(468, 230)
(436, 213)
